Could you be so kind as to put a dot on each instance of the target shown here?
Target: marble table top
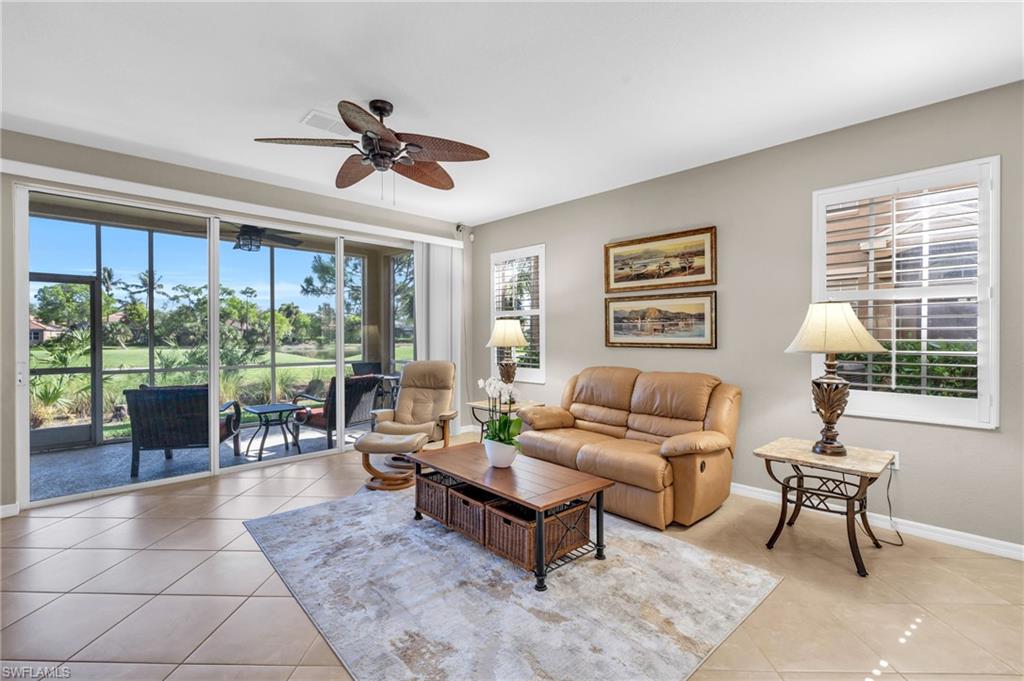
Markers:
(868, 463)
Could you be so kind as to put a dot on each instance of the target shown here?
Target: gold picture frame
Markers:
(674, 320)
(674, 260)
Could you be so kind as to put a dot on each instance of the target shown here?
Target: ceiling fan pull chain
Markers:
(393, 201)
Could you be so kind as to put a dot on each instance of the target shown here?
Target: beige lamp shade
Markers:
(833, 328)
(507, 333)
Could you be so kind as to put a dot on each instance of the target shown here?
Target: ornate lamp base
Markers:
(507, 370)
(831, 393)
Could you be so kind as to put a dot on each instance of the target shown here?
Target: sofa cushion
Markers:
(610, 387)
(599, 419)
(600, 399)
(633, 462)
(558, 445)
(657, 428)
(672, 394)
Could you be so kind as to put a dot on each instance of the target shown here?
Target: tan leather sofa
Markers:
(665, 438)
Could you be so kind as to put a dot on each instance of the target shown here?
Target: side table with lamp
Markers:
(829, 328)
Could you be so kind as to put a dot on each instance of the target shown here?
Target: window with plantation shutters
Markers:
(916, 256)
(517, 292)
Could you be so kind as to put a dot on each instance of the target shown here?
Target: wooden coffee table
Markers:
(533, 483)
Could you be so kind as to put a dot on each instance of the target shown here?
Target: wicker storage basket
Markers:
(432, 494)
(466, 510)
(511, 529)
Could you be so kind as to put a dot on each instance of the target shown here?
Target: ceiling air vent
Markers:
(325, 121)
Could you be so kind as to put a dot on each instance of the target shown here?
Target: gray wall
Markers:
(19, 147)
(968, 480)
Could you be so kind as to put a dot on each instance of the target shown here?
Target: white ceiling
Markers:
(569, 99)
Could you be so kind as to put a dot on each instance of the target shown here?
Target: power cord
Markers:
(892, 522)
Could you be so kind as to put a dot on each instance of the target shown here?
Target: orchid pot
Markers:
(499, 454)
(502, 428)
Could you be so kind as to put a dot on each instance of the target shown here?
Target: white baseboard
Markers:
(8, 510)
(469, 429)
(975, 542)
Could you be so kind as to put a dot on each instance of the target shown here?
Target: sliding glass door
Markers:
(117, 321)
(120, 347)
(278, 323)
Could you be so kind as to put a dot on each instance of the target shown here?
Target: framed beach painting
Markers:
(675, 320)
(671, 260)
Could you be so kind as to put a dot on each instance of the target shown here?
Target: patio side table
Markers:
(275, 414)
(815, 491)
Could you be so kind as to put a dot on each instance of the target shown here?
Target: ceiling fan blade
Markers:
(426, 172)
(440, 149)
(309, 141)
(351, 171)
(362, 121)
(281, 239)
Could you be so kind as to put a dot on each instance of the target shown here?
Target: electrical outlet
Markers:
(895, 463)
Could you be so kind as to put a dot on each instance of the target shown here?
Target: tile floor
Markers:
(166, 584)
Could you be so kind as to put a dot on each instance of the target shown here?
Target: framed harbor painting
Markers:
(674, 320)
(671, 260)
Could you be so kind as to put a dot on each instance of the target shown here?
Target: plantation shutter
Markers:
(517, 293)
(910, 257)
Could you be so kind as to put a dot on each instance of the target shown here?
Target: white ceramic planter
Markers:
(499, 455)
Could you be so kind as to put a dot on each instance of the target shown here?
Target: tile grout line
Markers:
(1009, 664)
(93, 640)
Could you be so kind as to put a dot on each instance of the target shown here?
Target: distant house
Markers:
(38, 332)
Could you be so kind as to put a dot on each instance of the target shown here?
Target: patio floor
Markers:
(74, 471)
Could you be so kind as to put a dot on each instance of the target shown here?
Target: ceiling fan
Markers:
(380, 148)
(250, 238)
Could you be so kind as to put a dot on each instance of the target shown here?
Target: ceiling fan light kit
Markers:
(381, 149)
(250, 238)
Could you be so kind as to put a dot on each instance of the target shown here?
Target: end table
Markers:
(484, 406)
(815, 491)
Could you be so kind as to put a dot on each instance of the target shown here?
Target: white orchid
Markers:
(499, 390)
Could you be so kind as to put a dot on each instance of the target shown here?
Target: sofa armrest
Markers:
(546, 417)
(447, 415)
(382, 415)
(701, 442)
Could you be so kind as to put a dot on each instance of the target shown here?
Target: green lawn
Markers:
(248, 386)
(116, 357)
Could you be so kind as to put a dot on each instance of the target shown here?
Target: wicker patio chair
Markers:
(360, 392)
(176, 417)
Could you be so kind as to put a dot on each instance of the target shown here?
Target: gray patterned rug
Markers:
(403, 599)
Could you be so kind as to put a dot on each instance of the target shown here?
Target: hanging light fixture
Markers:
(249, 238)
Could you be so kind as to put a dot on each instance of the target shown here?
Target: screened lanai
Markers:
(120, 342)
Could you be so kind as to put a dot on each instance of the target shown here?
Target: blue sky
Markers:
(64, 247)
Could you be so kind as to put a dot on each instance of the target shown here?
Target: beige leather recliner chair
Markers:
(422, 414)
(666, 439)
(424, 403)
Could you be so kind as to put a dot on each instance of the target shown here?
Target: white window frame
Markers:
(523, 374)
(980, 412)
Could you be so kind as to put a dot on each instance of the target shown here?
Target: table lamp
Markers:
(507, 333)
(832, 328)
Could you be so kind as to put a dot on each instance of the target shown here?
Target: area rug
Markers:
(398, 598)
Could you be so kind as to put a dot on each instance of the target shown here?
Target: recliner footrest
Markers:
(381, 443)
